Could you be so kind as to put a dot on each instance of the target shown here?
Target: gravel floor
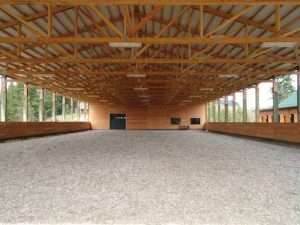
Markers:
(149, 177)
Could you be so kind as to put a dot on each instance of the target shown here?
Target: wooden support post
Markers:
(208, 106)
(298, 94)
(257, 104)
(41, 105)
(245, 119)
(63, 108)
(214, 112)
(72, 106)
(226, 109)
(219, 110)
(233, 108)
(206, 112)
(25, 103)
(3, 94)
(53, 107)
(275, 102)
(87, 112)
(79, 111)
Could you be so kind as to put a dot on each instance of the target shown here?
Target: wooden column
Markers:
(87, 111)
(233, 108)
(3, 94)
(257, 104)
(53, 107)
(208, 106)
(25, 103)
(214, 111)
(298, 95)
(206, 112)
(244, 105)
(63, 108)
(72, 106)
(275, 101)
(79, 111)
(219, 110)
(41, 105)
(226, 108)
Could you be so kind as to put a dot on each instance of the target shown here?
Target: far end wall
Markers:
(154, 117)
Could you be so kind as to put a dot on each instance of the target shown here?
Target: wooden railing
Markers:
(12, 130)
(289, 132)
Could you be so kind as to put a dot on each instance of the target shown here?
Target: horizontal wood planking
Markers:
(289, 132)
(154, 117)
(12, 130)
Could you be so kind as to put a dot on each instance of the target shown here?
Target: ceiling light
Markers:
(140, 89)
(229, 76)
(75, 89)
(125, 44)
(278, 44)
(136, 75)
(44, 75)
(206, 89)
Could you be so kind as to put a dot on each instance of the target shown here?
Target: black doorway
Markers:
(118, 121)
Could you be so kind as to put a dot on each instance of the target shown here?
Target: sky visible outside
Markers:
(265, 92)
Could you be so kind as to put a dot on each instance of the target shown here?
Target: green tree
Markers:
(15, 94)
(33, 104)
(48, 105)
(285, 87)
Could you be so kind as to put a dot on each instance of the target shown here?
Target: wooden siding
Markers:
(289, 132)
(11, 130)
(154, 117)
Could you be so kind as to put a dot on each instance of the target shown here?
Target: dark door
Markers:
(118, 121)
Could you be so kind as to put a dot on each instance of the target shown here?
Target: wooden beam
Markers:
(242, 19)
(278, 18)
(233, 18)
(21, 20)
(156, 9)
(107, 21)
(50, 21)
(149, 60)
(201, 22)
(164, 29)
(151, 40)
(155, 2)
(35, 16)
(166, 73)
